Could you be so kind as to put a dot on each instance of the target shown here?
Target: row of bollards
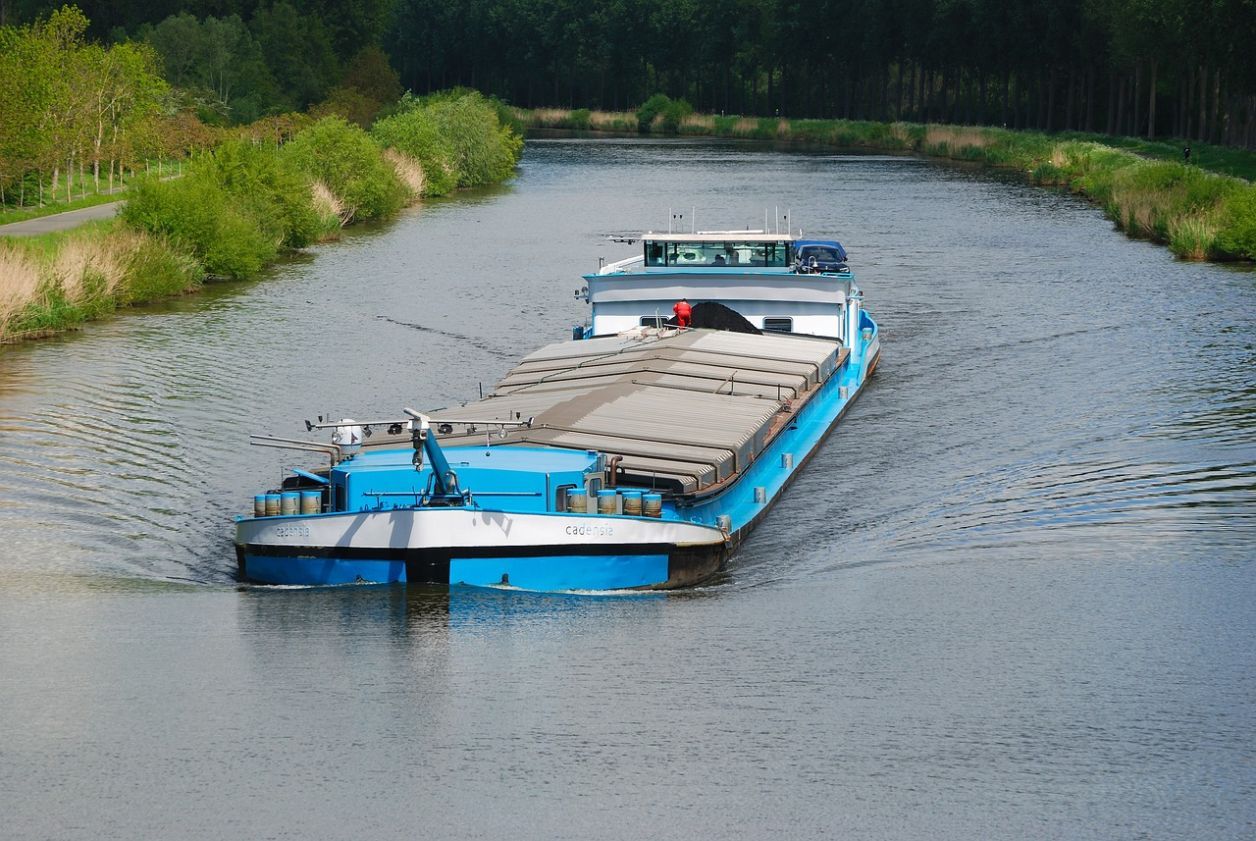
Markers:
(287, 503)
(630, 503)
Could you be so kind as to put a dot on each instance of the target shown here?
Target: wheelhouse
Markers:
(778, 282)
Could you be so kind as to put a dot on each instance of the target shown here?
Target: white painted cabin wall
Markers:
(810, 319)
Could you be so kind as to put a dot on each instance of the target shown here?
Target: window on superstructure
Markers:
(778, 325)
(654, 254)
(653, 320)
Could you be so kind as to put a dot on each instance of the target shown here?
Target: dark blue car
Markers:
(815, 255)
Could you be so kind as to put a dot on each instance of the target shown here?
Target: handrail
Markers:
(611, 268)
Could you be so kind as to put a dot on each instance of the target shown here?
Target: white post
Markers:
(853, 303)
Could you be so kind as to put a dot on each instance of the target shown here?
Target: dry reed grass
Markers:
(20, 283)
(548, 117)
(957, 137)
(82, 259)
(327, 204)
(699, 121)
(409, 171)
(612, 120)
(745, 127)
(1138, 211)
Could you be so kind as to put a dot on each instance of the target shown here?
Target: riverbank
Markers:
(240, 206)
(1205, 210)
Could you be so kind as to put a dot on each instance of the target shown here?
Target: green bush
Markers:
(344, 157)
(1237, 237)
(579, 119)
(674, 114)
(198, 214)
(1048, 174)
(269, 186)
(414, 132)
(651, 108)
(156, 269)
(456, 132)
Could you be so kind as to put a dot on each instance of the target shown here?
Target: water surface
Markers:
(1011, 596)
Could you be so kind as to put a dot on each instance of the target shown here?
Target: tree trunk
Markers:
(981, 97)
(1217, 127)
(913, 90)
(1151, 103)
(1136, 128)
(1120, 106)
(1090, 99)
(898, 92)
(1007, 89)
(1051, 100)
(1202, 132)
(1069, 100)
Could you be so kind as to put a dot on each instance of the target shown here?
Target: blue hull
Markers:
(524, 571)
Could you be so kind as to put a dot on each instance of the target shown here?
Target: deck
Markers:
(685, 411)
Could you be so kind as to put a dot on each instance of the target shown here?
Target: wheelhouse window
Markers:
(778, 325)
(717, 254)
(653, 320)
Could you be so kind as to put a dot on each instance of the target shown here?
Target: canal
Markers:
(1011, 597)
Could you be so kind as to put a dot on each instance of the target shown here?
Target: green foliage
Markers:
(370, 75)
(198, 214)
(579, 119)
(344, 157)
(67, 101)
(650, 110)
(219, 62)
(416, 133)
(268, 186)
(485, 151)
(1236, 238)
(1048, 174)
(155, 269)
(674, 114)
(456, 135)
(668, 113)
(298, 51)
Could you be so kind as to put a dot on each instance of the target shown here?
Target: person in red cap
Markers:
(684, 313)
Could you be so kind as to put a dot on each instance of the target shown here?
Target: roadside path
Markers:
(59, 221)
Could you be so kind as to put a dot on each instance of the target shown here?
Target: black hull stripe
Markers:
(356, 553)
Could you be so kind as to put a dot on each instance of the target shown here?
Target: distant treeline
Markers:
(1136, 67)
(1185, 68)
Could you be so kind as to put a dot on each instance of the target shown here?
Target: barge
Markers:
(636, 455)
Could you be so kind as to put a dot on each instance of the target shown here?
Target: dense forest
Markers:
(1183, 68)
(1148, 67)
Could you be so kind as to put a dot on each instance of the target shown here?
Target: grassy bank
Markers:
(1202, 211)
(239, 206)
(57, 281)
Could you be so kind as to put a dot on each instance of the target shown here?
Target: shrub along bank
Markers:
(1199, 214)
(240, 205)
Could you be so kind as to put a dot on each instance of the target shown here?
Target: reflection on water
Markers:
(1013, 591)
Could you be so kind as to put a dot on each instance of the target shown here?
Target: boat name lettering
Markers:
(591, 531)
(292, 531)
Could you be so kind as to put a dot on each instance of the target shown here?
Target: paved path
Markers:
(59, 221)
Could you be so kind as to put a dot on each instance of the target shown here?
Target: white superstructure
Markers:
(758, 274)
